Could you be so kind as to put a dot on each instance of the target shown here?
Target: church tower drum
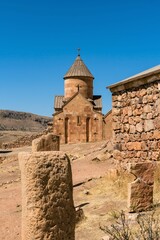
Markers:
(78, 78)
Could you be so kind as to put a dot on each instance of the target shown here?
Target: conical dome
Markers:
(78, 69)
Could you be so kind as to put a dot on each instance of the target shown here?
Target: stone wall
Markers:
(22, 141)
(27, 139)
(136, 122)
(47, 196)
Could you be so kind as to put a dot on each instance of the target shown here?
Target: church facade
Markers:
(78, 114)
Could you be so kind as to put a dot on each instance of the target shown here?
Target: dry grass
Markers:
(107, 197)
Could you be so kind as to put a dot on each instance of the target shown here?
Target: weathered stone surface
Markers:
(157, 123)
(134, 145)
(149, 116)
(139, 127)
(136, 120)
(142, 92)
(158, 105)
(47, 202)
(106, 237)
(144, 171)
(148, 125)
(132, 129)
(47, 142)
(147, 108)
(140, 196)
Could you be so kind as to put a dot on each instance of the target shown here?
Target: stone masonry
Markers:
(78, 114)
(47, 201)
(48, 142)
(136, 117)
(141, 190)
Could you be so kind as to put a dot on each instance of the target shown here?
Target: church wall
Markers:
(74, 117)
(107, 126)
(58, 126)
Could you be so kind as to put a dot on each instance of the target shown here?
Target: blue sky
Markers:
(39, 41)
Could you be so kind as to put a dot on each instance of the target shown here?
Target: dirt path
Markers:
(94, 192)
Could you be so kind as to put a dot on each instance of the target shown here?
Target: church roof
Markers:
(78, 69)
(59, 102)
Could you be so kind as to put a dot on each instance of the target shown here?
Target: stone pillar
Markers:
(47, 196)
(140, 196)
(47, 142)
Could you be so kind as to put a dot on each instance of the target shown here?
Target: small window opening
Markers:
(78, 120)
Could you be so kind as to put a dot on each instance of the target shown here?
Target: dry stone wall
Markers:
(27, 139)
(22, 141)
(136, 122)
(47, 196)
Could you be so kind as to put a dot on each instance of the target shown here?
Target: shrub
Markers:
(146, 227)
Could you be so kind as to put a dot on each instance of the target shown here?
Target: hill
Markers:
(22, 121)
(16, 125)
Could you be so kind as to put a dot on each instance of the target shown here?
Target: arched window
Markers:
(66, 129)
(78, 120)
(87, 129)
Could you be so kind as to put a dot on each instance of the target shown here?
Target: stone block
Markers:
(134, 146)
(47, 142)
(142, 92)
(47, 196)
(116, 111)
(157, 123)
(148, 125)
(139, 127)
(116, 125)
(140, 196)
(132, 129)
(147, 108)
(157, 105)
(144, 171)
(149, 116)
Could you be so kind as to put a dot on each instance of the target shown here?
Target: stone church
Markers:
(78, 114)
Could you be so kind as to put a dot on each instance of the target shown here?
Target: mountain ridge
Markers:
(22, 121)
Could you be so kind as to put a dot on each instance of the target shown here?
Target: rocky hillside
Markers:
(22, 121)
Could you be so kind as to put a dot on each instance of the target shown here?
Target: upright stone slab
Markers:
(141, 190)
(47, 142)
(47, 201)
